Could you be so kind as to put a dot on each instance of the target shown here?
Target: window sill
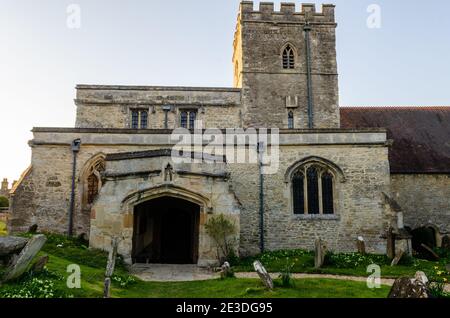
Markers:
(330, 217)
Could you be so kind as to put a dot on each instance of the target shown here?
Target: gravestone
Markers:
(320, 252)
(262, 273)
(361, 245)
(11, 245)
(110, 267)
(40, 263)
(20, 264)
(446, 242)
(430, 251)
(226, 270)
(390, 247)
(405, 287)
(397, 257)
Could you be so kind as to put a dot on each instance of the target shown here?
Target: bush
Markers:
(4, 202)
(437, 281)
(123, 281)
(222, 231)
(286, 275)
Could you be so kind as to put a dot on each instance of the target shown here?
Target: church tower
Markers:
(285, 64)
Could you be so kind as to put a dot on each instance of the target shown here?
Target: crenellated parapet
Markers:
(288, 13)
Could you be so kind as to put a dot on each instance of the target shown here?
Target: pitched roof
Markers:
(421, 135)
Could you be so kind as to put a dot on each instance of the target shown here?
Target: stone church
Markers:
(341, 172)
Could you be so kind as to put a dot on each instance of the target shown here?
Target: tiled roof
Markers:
(421, 135)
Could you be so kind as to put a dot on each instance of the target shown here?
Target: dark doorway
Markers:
(166, 232)
(427, 237)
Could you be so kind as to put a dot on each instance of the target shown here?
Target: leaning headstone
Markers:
(11, 245)
(265, 277)
(430, 251)
(20, 264)
(110, 268)
(320, 252)
(397, 257)
(40, 263)
(405, 287)
(361, 245)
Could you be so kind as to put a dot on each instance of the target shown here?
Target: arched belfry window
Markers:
(313, 189)
(288, 57)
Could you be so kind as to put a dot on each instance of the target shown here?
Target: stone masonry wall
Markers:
(424, 198)
(360, 211)
(259, 42)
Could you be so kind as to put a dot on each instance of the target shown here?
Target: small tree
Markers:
(222, 231)
(4, 202)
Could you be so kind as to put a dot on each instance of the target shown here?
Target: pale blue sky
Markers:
(180, 42)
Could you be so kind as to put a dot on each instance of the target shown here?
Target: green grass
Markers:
(3, 229)
(63, 252)
(346, 264)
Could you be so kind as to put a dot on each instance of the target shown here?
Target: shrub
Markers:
(437, 281)
(286, 274)
(4, 202)
(222, 231)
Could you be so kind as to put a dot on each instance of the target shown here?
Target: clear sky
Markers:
(180, 42)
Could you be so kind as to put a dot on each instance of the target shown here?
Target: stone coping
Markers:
(169, 131)
(156, 88)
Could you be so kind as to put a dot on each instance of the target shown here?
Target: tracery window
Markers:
(93, 181)
(288, 57)
(313, 190)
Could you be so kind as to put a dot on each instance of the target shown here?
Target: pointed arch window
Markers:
(288, 57)
(313, 187)
(92, 181)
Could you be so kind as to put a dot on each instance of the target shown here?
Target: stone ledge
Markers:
(156, 88)
(318, 217)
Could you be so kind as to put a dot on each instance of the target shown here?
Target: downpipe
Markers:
(76, 144)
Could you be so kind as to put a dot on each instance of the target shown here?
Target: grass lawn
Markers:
(342, 264)
(2, 229)
(63, 252)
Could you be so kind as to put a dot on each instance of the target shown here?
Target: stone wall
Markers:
(22, 208)
(259, 42)
(359, 212)
(362, 157)
(424, 198)
(111, 106)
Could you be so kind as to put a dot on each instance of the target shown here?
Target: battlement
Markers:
(288, 13)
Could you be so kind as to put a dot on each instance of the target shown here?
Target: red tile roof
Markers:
(421, 135)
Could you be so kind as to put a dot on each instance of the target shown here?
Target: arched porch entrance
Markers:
(166, 231)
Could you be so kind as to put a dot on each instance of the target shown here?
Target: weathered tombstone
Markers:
(361, 245)
(40, 263)
(110, 267)
(390, 247)
(20, 264)
(11, 245)
(397, 257)
(431, 252)
(226, 270)
(32, 229)
(262, 273)
(320, 252)
(405, 287)
(446, 242)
